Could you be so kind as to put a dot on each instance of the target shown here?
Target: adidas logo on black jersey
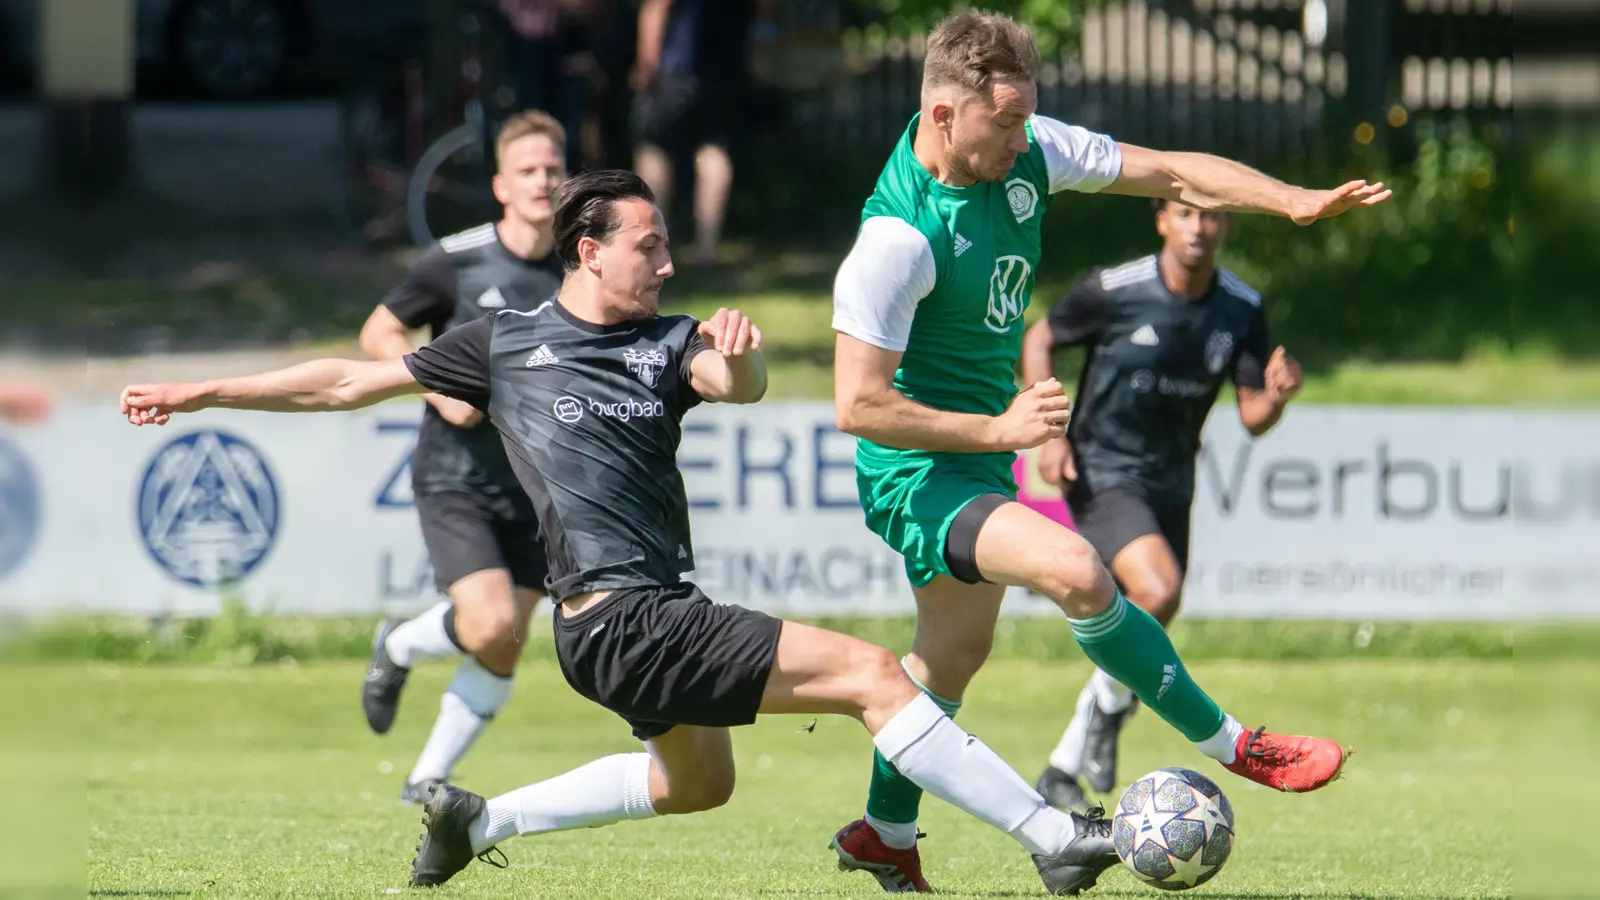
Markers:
(541, 357)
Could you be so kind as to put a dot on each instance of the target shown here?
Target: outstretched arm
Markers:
(1211, 182)
(321, 385)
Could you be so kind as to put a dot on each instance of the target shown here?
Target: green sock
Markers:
(1131, 646)
(892, 797)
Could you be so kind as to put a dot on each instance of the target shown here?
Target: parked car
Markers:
(231, 48)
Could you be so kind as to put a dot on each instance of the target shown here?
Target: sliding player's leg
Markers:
(684, 769)
(819, 671)
(663, 658)
(1021, 547)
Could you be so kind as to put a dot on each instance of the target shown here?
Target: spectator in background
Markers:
(691, 75)
(24, 404)
(550, 54)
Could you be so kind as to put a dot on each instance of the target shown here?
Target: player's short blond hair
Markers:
(973, 49)
(526, 124)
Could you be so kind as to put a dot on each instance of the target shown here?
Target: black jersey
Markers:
(459, 280)
(1155, 363)
(590, 416)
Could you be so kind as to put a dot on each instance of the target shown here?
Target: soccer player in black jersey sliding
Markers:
(589, 394)
(1161, 334)
(480, 528)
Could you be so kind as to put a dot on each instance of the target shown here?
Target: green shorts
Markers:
(910, 500)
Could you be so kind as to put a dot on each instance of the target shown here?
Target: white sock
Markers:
(1068, 755)
(423, 637)
(1110, 693)
(1222, 745)
(607, 790)
(899, 835)
(931, 750)
(468, 704)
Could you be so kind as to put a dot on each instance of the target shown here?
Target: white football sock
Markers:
(898, 835)
(931, 750)
(1068, 755)
(1223, 745)
(468, 704)
(423, 637)
(607, 790)
(1110, 693)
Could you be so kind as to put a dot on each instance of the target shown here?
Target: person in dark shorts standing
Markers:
(691, 74)
(1161, 333)
(593, 438)
(480, 528)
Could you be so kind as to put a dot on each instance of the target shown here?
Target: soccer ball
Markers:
(1174, 829)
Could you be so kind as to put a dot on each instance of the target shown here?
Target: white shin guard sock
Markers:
(1068, 755)
(610, 789)
(473, 698)
(422, 638)
(931, 750)
(1112, 695)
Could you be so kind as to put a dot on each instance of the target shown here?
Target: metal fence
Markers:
(1261, 79)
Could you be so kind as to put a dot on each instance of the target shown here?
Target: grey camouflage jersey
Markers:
(591, 417)
(461, 279)
(1155, 363)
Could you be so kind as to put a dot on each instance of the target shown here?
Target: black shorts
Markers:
(665, 656)
(469, 532)
(1112, 518)
(680, 113)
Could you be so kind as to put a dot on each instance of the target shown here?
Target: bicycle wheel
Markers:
(449, 190)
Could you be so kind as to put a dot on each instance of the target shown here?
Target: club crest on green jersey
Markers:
(1007, 293)
(1022, 197)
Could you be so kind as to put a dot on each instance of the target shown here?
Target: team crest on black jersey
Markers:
(1218, 348)
(646, 365)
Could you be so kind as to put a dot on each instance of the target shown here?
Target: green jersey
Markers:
(945, 273)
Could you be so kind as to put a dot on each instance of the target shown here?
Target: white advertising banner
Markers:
(1361, 513)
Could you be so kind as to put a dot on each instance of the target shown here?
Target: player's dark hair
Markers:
(585, 207)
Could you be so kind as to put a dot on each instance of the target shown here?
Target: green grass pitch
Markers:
(264, 782)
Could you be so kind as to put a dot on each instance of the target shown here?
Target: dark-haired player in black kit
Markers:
(593, 436)
(1161, 334)
(479, 526)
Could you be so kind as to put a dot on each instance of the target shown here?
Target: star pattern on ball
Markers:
(1150, 823)
(1208, 816)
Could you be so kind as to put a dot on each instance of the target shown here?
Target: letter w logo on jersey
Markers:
(1007, 293)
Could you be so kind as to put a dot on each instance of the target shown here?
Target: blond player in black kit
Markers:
(480, 528)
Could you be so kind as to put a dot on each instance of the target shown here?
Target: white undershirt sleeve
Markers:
(1078, 159)
(879, 284)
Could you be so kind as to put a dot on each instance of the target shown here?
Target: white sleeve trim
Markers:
(879, 284)
(1078, 159)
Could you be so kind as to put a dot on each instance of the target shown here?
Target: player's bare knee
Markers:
(486, 627)
(706, 791)
(1073, 575)
(883, 681)
(1162, 602)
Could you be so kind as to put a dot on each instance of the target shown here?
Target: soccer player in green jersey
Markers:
(928, 307)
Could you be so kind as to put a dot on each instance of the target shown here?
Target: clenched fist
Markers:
(1036, 415)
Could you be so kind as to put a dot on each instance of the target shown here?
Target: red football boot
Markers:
(1288, 763)
(860, 849)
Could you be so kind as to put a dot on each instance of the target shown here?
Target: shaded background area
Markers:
(231, 223)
